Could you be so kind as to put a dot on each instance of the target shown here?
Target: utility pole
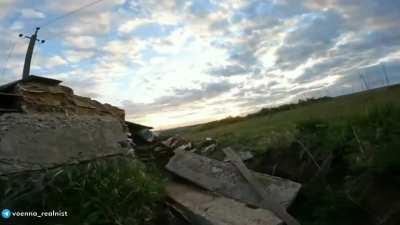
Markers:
(29, 52)
(364, 81)
(385, 74)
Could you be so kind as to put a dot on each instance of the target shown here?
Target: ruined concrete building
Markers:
(44, 95)
(44, 124)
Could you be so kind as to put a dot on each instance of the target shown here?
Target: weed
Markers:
(115, 191)
(366, 144)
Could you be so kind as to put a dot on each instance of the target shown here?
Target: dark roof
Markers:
(45, 80)
(136, 126)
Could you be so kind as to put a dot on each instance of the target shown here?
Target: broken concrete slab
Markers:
(168, 142)
(32, 142)
(206, 142)
(204, 208)
(209, 149)
(224, 178)
(268, 201)
(185, 147)
(244, 155)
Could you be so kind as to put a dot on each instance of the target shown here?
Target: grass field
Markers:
(259, 133)
(344, 150)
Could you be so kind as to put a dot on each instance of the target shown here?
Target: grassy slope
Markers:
(277, 129)
(360, 184)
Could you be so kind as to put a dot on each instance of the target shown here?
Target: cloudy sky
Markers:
(179, 62)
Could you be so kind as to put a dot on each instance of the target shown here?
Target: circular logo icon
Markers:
(6, 213)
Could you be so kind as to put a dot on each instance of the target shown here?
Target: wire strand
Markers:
(70, 13)
(10, 53)
(35, 53)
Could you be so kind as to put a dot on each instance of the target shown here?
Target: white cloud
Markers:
(77, 56)
(18, 25)
(5, 6)
(81, 42)
(130, 25)
(128, 49)
(62, 6)
(96, 23)
(32, 14)
(54, 61)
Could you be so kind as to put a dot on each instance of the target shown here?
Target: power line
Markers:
(8, 50)
(362, 77)
(36, 52)
(385, 74)
(63, 17)
(71, 13)
(8, 57)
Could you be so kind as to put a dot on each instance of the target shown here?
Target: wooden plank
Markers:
(203, 208)
(225, 179)
(268, 200)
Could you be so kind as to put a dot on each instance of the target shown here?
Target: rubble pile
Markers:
(201, 207)
(160, 150)
(207, 191)
(224, 178)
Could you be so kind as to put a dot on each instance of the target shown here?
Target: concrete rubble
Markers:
(224, 178)
(244, 155)
(229, 194)
(213, 192)
(204, 208)
(268, 200)
(209, 149)
(175, 142)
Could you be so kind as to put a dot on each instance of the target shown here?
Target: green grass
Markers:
(258, 133)
(360, 131)
(363, 145)
(118, 191)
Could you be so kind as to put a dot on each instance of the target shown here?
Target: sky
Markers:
(172, 63)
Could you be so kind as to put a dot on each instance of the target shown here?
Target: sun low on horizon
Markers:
(180, 62)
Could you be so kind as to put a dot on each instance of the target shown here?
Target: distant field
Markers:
(278, 129)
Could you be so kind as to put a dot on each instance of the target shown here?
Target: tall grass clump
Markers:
(114, 191)
(366, 145)
(367, 141)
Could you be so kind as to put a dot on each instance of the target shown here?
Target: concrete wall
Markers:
(30, 142)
